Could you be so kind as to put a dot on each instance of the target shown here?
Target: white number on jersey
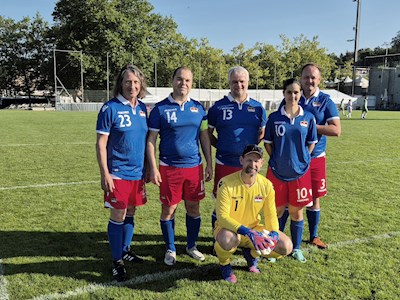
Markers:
(125, 121)
(227, 114)
(280, 130)
(171, 116)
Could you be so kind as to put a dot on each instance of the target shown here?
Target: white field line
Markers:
(182, 272)
(47, 144)
(46, 185)
(3, 284)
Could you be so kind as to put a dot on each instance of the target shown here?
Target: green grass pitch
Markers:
(53, 241)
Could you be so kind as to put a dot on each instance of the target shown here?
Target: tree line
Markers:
(129, 31)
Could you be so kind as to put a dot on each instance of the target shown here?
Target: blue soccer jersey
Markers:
(126, 127)
(179, 129)
(237, 125)
(324, 109)
(290, 138)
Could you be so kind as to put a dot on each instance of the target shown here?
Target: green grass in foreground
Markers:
(53, 241)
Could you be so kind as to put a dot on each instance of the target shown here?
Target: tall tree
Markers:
(25, 54)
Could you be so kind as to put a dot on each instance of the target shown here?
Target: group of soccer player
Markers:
(294, 137)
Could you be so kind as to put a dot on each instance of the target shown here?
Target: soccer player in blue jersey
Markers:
(328, 124)
(181, 122)
(121, 140)
(290, 137)
(239, 121)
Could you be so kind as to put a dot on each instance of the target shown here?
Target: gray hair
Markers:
(238, 69)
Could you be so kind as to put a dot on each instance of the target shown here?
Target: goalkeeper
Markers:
(241, 197)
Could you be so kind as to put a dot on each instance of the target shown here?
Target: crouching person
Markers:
(241, 198)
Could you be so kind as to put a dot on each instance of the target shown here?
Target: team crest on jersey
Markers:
(251, 109)
(194, 109)
(316, 104)
(142, 113)
(258, 199)
(304, 123)
(104, 108)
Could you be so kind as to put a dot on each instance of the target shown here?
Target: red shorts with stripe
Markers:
(222, 171)
(126, 193)
(181, 183)
(318, 176)
(296, 193)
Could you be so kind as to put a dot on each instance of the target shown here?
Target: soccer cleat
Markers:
(318, 243)
(170, 258)
(119, 271)
(132, 257)
(251, 261)
(227, 273)
(270, 260)
(298, 255)
(194, 253)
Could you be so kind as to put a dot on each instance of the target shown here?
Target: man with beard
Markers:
(241, 198)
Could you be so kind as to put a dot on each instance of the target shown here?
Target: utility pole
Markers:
(356, 44)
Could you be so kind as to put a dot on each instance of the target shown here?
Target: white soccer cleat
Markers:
(194, 253)
(170, 258)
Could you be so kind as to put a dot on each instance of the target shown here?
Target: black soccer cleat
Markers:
(119, 271)
(132, 257)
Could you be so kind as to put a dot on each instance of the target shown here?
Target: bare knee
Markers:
(227, 239)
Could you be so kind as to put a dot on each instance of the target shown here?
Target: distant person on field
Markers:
(238, 120)
(342, 107)
(181, 123)
(364, 108)
(242, 197)
(290, 137)
(349, 109)
(121, 140)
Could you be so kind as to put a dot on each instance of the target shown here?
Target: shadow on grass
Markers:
(86, 256)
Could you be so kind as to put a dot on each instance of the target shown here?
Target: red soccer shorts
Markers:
(318, 176)
(126, 193)
(181, 183)
(222, 171)
(296, 193)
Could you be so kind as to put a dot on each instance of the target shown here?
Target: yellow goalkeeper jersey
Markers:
(237, 204)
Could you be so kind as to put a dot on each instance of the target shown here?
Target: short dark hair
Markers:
(290, 81)
(178, 69)
(138, 73)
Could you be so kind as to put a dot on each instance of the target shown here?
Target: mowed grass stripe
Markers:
(180, 273)
(3, 284)
(46, 144)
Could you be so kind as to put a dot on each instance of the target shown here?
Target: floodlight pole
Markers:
(108, 76)
(83, 98)
(356, 44)
(55, 75)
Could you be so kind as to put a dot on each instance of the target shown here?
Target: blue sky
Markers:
(227, 23)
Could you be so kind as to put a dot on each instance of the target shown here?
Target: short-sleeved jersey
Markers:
(237, 204)
(179, 129)
(237, 125)
(290, 138)
(126, 127)
(324, 110)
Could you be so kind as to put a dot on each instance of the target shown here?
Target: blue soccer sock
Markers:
(167, 228)
(213, 220)
(296, 230)
(313, 217)
(129, 226)
(192, 229)
(115, 236)
(282, 220)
